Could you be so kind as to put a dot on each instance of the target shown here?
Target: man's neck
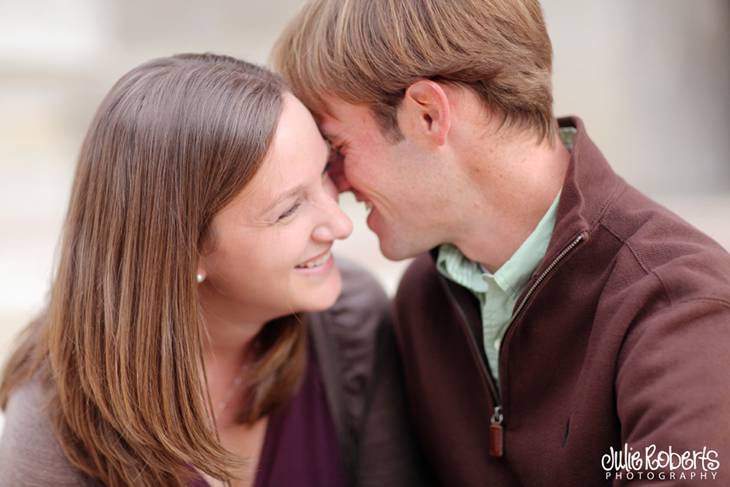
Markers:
(508, 198)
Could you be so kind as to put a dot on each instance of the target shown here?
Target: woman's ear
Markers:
(424, 113)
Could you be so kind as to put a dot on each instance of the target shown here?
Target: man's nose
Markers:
(337, 173)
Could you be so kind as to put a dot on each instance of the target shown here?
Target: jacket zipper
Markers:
(577, 240)
(496, 433)
(496, 429)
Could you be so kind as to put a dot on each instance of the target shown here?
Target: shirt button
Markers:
(497, 343)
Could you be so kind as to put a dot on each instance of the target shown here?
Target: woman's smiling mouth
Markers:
(316, 262)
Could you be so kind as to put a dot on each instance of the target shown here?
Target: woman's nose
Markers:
(335, 224)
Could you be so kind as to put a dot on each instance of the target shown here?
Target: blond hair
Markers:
(120, 346)
(369, 51)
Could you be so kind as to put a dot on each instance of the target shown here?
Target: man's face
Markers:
(399, 180)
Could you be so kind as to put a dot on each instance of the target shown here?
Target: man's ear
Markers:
(424, 113)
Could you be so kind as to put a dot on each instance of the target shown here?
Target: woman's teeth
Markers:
(368, 205)
(315, 263)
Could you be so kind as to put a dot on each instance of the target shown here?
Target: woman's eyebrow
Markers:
(284, 196)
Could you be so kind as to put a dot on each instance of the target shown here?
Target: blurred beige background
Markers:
(651, 79)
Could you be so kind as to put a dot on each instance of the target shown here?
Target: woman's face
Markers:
(270, 253)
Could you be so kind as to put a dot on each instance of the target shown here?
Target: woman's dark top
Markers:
(300, 446)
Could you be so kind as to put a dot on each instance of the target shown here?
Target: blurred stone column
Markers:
(652, 78)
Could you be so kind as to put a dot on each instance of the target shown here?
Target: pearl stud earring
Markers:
(200, 278)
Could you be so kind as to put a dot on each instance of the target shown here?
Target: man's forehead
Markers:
(328, 105)
(325, 113)
(329, 126)
(336, 115)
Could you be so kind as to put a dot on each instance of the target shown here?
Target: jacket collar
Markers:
(589, 187)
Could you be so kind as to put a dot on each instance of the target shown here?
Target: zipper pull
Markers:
(496, 434)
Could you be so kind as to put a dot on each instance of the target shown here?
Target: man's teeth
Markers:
(315, 263)
(368, 205)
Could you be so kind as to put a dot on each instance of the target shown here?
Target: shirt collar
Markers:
(514, 274)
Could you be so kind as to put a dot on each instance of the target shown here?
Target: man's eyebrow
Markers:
(326, 136)
(331, 139)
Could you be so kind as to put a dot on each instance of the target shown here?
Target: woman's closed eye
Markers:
(289, 212)
(293, 209)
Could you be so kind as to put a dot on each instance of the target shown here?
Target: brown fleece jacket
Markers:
(621, 338)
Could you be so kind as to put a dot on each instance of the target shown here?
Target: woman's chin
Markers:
(313, 297)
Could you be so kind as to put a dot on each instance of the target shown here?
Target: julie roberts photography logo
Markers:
(652, 463)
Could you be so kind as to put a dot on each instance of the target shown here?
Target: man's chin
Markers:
(396, 249)
(395, 244)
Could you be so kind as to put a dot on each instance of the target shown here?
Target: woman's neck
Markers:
(231, 326)
(230, 331)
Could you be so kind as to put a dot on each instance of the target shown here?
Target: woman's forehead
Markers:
(295, 158)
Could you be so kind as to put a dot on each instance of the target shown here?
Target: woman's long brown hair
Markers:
(119, 347)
